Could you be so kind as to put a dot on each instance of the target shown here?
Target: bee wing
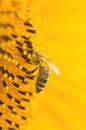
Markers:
(51, 65)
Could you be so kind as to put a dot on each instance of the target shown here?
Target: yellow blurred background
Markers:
(62, 105)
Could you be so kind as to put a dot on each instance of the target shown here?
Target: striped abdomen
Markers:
(42, 78)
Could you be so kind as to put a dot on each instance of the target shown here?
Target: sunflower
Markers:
(62, 105)
(18, 33)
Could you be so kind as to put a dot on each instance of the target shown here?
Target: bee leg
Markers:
(30, 72)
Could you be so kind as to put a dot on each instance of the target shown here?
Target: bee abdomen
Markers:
(42, 78)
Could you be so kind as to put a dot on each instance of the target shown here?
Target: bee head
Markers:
(35, 58)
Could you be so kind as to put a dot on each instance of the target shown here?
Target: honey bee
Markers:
(44, 65)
